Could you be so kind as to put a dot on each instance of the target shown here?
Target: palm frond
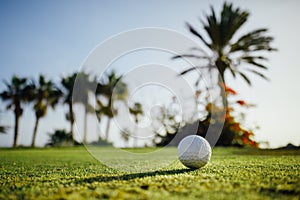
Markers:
(253, 33)
(257, 64)
(192, 69)
(213, 31)
(245, 78)
(3, 129)
(222, 30)
(5, 95)
(200, 50)
(258, 73)
(231, 21)
(189, 56)
(193, 31)
(8, 85)
(9, 106)
(253, 41)
(247, 57)
(232, 70)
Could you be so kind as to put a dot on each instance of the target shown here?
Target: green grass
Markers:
(72, 173)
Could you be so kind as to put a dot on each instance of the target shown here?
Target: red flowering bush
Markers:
(233, 132)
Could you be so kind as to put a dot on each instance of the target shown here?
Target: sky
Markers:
(55, 38)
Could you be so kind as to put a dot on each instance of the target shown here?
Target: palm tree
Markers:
(18, 91)
(136, 110)
(112, 88)
(125, 135)
(45, 94)
(68, 84)
(84, 85)
(225, 53)
(108, 111)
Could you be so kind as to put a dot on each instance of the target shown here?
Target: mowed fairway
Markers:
(72, 173)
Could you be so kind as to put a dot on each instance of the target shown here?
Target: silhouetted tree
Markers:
(227, 53)
(17, 91)
(45, 94)
(84, 86)
(112, 88)
(125, 135)
(167, 118)
(108, 111)
(68, 84)
(136, 110)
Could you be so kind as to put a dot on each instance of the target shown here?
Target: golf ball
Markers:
(194, 151)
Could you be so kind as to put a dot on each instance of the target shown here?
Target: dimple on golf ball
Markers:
(194, 151)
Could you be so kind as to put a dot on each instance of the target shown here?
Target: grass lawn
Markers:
(72, 173)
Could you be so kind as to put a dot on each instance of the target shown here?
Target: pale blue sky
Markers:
(55, 37)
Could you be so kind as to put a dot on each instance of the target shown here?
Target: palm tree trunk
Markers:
(222, 85)
(71, 121)
(85, 125)
(221, 80)
(107, 128)
(108, 119)
(16, 134)
(35, 131)
(135, 141)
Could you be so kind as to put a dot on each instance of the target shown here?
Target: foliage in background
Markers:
(233, 132)
(101, 142)
(18, 91)
(3, 129)
(170, 125)
(84, 84)
(136, 110)
(60, 138)
(45, 94)
(67, 89)
(112, 88)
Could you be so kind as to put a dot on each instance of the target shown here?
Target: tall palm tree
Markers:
(84, 85)
(112, 88)
(17, 91)
(68, 84)
(225, 53)
(108, 111)
(45, 94)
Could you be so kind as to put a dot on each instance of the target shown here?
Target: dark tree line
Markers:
(43, 93)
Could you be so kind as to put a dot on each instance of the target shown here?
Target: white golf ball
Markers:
(194, 151)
